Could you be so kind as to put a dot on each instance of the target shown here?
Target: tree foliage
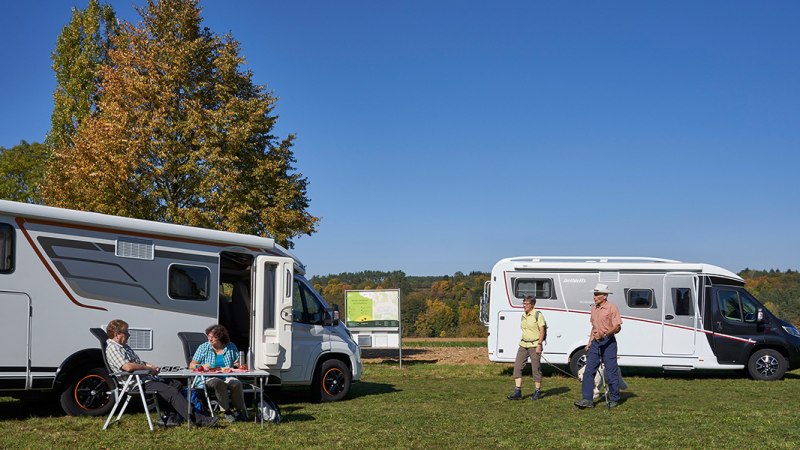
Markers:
(438, 320)
(81, 49)
(22, 168)
(182, 134)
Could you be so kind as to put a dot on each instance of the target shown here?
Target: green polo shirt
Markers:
(530, 328)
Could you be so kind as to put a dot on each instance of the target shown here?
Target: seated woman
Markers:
(219, 353)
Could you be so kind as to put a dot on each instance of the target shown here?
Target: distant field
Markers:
(428, 405)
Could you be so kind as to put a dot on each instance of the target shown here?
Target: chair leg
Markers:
(144, 402)
(208, 399)
(118, 394)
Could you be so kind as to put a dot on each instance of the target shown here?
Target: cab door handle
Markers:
(669, 317)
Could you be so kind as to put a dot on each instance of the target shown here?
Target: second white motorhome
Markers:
(676, 315)
(63, 272)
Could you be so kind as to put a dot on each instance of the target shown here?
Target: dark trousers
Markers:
(604, 350)
(169, 390)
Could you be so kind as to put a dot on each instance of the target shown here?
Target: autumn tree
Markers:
(469, 324)
(81, 50)
(182, 134)
(436, 321)
(22, 168)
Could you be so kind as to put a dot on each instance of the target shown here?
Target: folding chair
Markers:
(126, 384)
(191, 341)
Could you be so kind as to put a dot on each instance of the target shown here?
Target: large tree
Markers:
(81, 49)
(182, 134)
(21, 170)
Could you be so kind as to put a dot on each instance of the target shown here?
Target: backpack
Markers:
(543, 337)
(270, 410)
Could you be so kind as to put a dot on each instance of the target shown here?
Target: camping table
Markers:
(192, 375)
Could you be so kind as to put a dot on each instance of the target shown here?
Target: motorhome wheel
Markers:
(88, 394)
(767, 364)
(577, 361)
(333, 381)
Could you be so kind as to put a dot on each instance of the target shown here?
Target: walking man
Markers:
(533, 334)
(606, 322)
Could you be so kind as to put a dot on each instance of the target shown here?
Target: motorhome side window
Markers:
(189, 282)
(735, 307)
(6, 248)
(540, 288)
(640, 298)
(305, 306)
(682, 302)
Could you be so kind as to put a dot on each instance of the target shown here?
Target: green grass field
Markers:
(439, 406)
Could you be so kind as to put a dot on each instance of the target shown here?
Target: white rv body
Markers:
(63, 272)
(671, 313)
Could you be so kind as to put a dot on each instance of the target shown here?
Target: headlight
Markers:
(792, 330)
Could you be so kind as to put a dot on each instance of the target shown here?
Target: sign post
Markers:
(373, 316)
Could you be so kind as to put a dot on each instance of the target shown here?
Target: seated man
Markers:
(122, 358)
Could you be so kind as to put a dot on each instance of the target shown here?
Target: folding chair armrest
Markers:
(134, 372)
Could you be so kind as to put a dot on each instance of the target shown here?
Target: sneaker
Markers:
(230, 416)
(612, 404)
(537, 394)
(583, 404)
(517, 395)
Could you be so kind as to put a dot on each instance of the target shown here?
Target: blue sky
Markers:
(441, 136)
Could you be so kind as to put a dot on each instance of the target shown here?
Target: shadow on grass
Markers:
(366, 388)
(13, 409)
(555, 392)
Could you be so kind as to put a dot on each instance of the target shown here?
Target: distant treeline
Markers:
(447, 306)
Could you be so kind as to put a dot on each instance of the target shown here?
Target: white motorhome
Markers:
(63, 272)
(676, 315)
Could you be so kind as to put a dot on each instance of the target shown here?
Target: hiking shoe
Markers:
(517, 395)
(612, 404)
(174, 420)
(537, 394)
(583, 404)
(169, 420)
(205, 421)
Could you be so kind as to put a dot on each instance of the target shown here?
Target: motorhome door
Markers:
(679, 318)
(272, 313)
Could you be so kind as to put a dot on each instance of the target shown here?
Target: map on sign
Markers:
(375, 309)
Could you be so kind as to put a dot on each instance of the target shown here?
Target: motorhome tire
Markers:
(577, 361)
(767, 364)
(333, 380)
(88, 394)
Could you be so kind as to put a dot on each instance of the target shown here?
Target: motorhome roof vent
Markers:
(608, 277)
(135, 248)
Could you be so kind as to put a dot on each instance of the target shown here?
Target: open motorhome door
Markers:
(272, 313)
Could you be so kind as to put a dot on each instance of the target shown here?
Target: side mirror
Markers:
(332, 316)
(760, 315)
